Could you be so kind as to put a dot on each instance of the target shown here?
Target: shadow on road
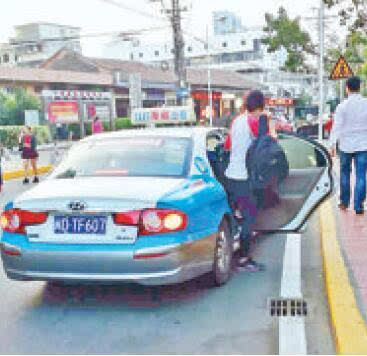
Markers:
(132, 295)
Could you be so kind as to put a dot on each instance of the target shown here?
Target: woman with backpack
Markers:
(243, 131)
(28, 147)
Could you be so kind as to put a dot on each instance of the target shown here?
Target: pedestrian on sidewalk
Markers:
(350, 131)
(28, 147)
(97, 126)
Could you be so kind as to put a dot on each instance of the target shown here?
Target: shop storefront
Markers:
(121, 97)
(64, 107)
(153, 98)
(201, 102)
(280, 106)
(229, 103)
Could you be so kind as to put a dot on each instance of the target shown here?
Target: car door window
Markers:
(308, 183)
(214, 148)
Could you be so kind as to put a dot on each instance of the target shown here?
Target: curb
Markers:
(8, 175)
(350, 331)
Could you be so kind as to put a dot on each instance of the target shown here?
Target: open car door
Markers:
(309, 182)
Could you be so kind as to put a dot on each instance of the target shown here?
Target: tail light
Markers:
(16, 220)
(153, 221)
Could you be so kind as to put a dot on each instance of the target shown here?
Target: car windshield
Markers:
(132, 157)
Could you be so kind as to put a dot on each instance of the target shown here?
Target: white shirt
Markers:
(350, 124)
(241, 140)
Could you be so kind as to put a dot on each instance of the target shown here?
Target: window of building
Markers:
(38, 89)
(16, 58)
(156, 53)
(6, 58)
(224, 44)
(173, 51)
(131, 56)
(141, 55)
(205, 46)
(189, 49)
(243, 42)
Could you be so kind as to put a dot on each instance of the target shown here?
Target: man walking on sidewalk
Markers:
(350, 131)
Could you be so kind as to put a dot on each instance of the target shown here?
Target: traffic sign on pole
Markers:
(341, 70)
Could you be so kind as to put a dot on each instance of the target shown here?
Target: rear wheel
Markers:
(222, 267)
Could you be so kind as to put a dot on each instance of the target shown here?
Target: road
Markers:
(191, 318)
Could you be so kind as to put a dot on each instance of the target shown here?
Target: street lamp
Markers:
(209, 79)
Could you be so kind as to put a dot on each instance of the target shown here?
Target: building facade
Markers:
(36, 42)
(226, 22)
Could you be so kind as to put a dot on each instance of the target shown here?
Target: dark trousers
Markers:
(360, 164)
(241, 197)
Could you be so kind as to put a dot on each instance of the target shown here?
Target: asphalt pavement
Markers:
(190, 318)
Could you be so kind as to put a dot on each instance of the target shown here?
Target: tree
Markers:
(12, 106)
(353, 13)
(281, 31)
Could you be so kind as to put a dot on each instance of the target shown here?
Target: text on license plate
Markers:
(81, 224)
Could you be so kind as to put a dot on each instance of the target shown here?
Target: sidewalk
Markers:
(344, 247)
(352, 230)
(12, 164)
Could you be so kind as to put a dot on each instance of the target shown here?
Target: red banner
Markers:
(63, 111)
(203, 95)
(279, 101)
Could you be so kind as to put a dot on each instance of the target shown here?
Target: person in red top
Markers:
(28, 146)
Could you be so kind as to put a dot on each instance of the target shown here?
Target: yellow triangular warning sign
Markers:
(341, 70)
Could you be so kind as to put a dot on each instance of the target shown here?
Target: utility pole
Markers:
(210, 94)
(321, 67)
(179, 45)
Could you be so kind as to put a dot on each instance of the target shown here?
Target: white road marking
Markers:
(292, 335)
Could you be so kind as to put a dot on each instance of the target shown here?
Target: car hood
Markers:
(109, 194)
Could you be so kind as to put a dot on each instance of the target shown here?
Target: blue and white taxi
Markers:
(146, 206)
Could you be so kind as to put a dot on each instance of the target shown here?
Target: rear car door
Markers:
(309, 182)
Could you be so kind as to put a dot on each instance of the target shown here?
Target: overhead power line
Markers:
(123, 34)
(139, 12)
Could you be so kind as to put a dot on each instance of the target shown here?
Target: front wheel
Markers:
(223, 254)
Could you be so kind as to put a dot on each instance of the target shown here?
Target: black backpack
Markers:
(266, 161)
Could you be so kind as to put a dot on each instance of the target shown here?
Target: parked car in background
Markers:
(282, 124)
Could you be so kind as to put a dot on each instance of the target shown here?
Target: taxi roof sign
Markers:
(341, 70)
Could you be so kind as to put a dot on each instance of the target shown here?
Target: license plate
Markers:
(83, 224)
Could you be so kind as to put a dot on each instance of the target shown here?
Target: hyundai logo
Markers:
(77, 206)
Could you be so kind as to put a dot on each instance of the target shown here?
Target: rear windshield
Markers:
(128, 157)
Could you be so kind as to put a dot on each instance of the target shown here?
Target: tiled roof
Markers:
(53, 76)
(148, 73)
(220, 78)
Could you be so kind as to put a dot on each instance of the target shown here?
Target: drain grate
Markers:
(288, 307)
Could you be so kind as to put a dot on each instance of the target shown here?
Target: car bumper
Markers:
(169, 264)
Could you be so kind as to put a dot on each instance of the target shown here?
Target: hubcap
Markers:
(222, 252)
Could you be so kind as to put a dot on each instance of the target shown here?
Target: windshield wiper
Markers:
(70, 173)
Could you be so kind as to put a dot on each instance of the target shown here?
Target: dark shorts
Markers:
(29, 153)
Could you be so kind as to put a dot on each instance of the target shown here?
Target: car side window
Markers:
(300, 153)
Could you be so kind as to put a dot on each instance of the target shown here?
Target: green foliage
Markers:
(75, 129)
(120, 124)
(281, 31)
(123, 123)
(355, 53)
(9, 135)
(12, 106)
(352, 13)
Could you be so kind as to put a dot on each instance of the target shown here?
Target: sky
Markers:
(96, 16)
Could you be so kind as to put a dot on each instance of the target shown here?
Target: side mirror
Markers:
(201, 165)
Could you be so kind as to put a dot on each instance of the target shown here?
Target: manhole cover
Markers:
(287, 307)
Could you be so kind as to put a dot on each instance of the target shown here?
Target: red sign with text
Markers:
(279, 101)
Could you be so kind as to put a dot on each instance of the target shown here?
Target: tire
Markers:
(223, 254)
